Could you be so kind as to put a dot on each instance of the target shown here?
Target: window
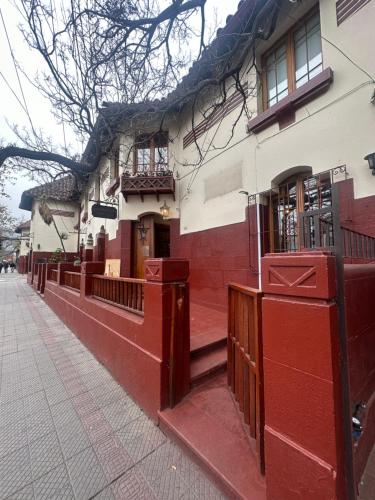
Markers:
(151, 153)
(295, 61)
(301, 194)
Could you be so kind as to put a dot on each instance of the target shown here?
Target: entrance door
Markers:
(151, 239)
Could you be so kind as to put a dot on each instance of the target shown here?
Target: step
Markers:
(207, 425)
(208, 363)
(207, 342)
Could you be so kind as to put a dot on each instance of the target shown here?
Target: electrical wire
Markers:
(26, 109)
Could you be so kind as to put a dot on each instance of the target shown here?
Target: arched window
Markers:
(299, 210)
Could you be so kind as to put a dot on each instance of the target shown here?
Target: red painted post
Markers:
(88, 269)
(167, 280)
(61, 268)
(304, 435)
(99, 249)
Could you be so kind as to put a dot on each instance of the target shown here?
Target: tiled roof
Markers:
(64, 189)
(112, 114)
(24, 226)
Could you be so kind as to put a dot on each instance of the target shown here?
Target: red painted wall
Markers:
(218, 256)
(356, 214)
(360, 318)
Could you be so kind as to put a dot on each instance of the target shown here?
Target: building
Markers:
(23, 252)
(291, 177)
(286, 153)
(61, 231)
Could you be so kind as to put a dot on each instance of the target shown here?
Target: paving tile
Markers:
(15, 472)
(132, 486)
(112, 457)
(38, 425)
(86, 475)
(121, 412)
(45, 455)
(141, 437)
(55, 484)
(12, 437)
(154, 465)
(26, 493)
(73, 443)
(67, 428)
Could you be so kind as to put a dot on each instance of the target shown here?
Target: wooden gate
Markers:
(245, 367)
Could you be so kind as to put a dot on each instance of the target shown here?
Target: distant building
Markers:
(60, 197)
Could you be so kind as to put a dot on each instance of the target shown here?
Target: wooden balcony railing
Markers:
(72, 280)
(156, 183)
(127, 293)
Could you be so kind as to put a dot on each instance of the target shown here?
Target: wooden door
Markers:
(162, 240)
(143, 247)
(245, 359)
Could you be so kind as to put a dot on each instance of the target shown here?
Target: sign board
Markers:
(112, 268)
(103, 211)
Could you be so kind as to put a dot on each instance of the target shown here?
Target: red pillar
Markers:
(125, 230)
(304, 435)
(167, 300)
(88, 269)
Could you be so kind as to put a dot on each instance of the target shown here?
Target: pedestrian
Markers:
(1, 267)
(6, 265)
(12, 266)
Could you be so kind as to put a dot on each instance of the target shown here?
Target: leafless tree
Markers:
(132, 52)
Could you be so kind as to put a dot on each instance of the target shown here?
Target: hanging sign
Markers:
(103, 211)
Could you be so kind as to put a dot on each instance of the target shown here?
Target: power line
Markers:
(25, 107)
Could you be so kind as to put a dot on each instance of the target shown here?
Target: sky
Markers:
(39, 107)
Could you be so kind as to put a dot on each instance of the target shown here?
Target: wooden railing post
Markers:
(170, 276)
(88, 269)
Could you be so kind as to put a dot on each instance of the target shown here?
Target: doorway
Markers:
(151, 239)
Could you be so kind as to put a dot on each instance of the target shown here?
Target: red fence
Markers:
(147, 352)
(72, 279)
(360, 322)
(122, 292)
(245, 360)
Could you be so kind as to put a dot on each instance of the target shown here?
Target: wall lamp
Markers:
(142, 231)
(164, 210)
(371, 162)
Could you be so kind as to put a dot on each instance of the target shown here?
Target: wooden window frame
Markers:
(299, 180)
(288, 41)
(152, 151)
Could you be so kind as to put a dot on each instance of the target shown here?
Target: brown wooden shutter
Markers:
(345, 8)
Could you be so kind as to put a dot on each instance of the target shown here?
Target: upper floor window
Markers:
(294, 61)
(151, 153)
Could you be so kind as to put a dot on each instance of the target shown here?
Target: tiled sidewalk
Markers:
(67, 429)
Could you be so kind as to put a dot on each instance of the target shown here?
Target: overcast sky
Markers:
(39, 108)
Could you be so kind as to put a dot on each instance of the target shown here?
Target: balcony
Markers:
(157, 183)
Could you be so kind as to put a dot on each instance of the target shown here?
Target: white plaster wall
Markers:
(46, 236)
(24, 249)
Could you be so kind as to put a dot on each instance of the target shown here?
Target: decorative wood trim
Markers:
(316, 86)
(345, 8)
(223, 110)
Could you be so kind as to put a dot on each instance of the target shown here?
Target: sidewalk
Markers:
(67, 429)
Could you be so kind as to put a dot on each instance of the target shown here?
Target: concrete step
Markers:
(208, 362)
(207, 424)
